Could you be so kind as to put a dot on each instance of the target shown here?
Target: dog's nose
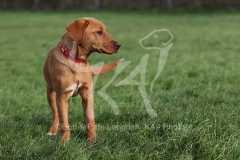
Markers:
(117, 45)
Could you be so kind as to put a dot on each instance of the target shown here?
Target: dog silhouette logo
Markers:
(156, 34)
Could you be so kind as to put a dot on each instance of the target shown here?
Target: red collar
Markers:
(67, 54)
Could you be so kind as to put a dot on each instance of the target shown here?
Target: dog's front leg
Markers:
(62, 105)
(88, 109)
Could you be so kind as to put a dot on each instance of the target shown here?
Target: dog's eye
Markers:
(99, 32)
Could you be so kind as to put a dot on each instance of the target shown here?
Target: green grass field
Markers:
(196, 96)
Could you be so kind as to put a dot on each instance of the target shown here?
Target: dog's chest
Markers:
(73, 89)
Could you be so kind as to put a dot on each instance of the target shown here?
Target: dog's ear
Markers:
(76, 30)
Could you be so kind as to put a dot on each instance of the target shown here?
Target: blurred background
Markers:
(196, 96)
(123, 4)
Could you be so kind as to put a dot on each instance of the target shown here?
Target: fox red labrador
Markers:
(67, 72)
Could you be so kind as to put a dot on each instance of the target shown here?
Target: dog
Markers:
(67, 72)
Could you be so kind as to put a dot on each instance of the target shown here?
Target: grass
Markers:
(196, 96)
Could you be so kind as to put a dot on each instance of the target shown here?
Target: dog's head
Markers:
(92, 35)
(156, 39)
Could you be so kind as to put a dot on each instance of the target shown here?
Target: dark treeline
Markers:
(121, 4)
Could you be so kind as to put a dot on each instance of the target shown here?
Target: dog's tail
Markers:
(105, 68)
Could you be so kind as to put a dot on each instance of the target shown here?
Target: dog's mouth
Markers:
(109, 48)
(102, 51)
(106, 51)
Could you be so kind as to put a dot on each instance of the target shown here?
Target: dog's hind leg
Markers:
(51, 97)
